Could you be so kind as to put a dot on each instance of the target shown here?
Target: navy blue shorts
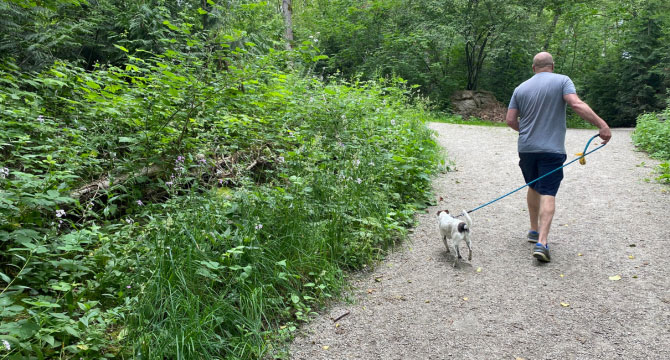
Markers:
(534, 165)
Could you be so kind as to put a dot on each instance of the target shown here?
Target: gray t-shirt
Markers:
(542, 112)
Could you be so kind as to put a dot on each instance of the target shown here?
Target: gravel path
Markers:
(504, 304)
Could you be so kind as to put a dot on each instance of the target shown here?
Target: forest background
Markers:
(192, 179)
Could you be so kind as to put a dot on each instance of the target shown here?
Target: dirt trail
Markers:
(504, 304)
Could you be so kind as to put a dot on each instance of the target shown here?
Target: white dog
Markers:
(456, 231)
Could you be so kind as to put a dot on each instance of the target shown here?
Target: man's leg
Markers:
(533, 200)
(547, 209)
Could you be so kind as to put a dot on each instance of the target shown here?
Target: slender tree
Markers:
(287, 12)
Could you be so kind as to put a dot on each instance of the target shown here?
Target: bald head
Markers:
(543, 62)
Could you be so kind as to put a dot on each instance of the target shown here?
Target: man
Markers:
(537, 112)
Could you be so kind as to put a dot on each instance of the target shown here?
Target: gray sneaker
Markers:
(533, 236)
(541, 252)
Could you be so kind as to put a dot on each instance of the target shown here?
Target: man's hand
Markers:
(605, 134)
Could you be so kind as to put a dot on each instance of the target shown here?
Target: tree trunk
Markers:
(287, 12)
(552, 29)
(205, 16)
(474, 57)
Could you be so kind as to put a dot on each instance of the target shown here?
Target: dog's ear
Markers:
(439, 211)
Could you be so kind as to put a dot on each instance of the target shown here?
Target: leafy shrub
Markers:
(168, 207)
(652, 134)
(257, 260)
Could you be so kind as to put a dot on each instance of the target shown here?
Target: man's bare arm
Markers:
(585, 112)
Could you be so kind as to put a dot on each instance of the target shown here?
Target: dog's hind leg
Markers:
(458, 256)
(469, 250)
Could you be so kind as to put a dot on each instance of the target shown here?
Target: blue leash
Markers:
(584, 153)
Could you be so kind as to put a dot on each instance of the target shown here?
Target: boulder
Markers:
(479, 104)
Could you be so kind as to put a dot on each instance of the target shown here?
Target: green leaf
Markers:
(43, 304)
(49, 339)
(70, 330)
(5, 278)
(93, 85)
(211, 264)
(121, 48)
(169, 25)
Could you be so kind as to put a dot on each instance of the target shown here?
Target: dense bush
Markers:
(652, 134)
(198, 202)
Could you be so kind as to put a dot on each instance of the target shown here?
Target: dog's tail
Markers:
(468, 222)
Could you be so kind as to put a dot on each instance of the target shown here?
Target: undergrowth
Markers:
(149, 211)
(652, 134)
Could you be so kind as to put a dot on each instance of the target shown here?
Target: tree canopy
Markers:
(604, 46)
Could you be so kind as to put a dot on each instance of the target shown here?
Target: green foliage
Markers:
(652, 134)
(573, 121)
(199, 200)
(615, 52)
(272, 253)
(411, 40)
(633, 78)
(38, 33)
